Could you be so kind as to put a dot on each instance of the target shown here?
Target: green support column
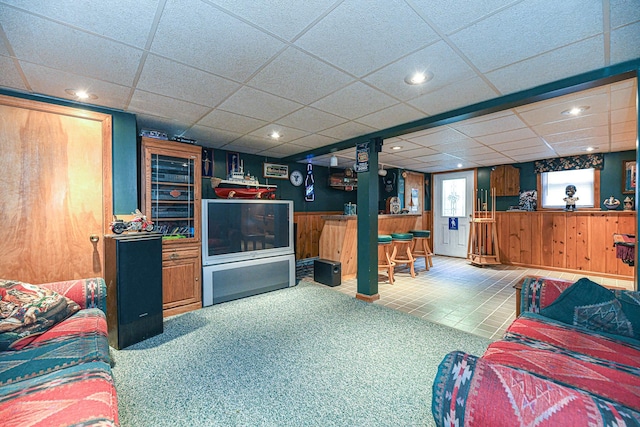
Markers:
(368, 226)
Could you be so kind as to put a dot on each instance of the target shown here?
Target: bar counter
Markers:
(339, 237)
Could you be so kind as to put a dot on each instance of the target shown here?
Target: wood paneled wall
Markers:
(577, 241)
(309, 226)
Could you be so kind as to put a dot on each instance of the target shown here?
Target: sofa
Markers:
(54, 355)
(572, 358)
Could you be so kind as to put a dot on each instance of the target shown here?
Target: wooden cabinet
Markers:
(171, 179)
(506, 180)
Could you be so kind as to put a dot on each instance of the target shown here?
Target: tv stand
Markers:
(233, 280)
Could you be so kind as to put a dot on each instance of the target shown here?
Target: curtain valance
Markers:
(587, 161)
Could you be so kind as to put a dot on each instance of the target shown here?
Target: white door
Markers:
(452, 207)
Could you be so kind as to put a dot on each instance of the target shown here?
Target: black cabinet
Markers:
(134, 287)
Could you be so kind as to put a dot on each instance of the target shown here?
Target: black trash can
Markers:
(327, 272)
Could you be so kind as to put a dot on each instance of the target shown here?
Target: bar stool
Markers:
(421, 247)
(402, 250)
(384, 259)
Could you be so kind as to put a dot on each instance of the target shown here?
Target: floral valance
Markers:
(587, 161)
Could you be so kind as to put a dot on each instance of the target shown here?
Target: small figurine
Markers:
(611, 203)
(139, 222)
(628, 203)
(570, 200)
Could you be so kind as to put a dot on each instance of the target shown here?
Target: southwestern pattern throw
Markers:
(571, 359)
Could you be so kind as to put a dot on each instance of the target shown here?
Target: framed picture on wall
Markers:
(233, 163)
(628, 177)
(273, 170)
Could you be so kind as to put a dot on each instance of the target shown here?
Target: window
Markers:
(454, 197)
(554, 184)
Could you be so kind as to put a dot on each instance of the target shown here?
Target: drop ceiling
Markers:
(227, 73)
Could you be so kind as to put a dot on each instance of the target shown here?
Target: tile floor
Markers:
(479, 300)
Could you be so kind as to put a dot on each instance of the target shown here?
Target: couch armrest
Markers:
(469, 390)
(88, 293)
(538, 292)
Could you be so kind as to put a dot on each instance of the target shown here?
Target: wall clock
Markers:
(296, 178)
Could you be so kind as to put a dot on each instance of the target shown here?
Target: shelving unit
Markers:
(171, 178)
(483, 238)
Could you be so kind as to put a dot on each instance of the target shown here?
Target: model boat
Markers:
(242, 186)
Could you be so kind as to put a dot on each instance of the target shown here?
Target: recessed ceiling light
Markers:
(459, 165)
(397, 147)
(575, 110)
(591, 148)
(418, 78)
(81, 94)
(275, 135)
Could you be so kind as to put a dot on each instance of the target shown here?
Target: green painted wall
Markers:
(610, 179)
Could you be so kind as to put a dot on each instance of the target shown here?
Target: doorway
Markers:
(452, 207)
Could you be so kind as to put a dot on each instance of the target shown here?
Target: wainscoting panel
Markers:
(575, 241)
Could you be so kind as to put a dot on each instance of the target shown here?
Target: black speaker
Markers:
(327, 272)
(134, 287)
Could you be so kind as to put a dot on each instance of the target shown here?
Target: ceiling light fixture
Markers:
(382, 171)
(81, 94)
(334, 161)
(591, 148)
(418, 78)
(275, 135)
(459, 165)
(575, 111)
(397, 147)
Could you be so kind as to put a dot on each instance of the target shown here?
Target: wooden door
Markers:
(414, 192)
(55, 186)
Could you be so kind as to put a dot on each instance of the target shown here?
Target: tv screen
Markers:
(241, 229)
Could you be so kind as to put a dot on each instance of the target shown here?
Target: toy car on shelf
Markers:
(138, 223)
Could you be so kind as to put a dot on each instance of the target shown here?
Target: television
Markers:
(244, 229)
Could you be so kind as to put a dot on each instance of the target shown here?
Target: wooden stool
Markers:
(421, 247)
(384, 259)
(402, 250)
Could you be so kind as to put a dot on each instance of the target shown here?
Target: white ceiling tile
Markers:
(563, 62)
(624, 43)
(597, 105)
(54, 82)
(442, 137)
(287, 134)
(454, 96)
(311, 120)
(392, 116)
(440, 157)
(542, 151)
(463, 146)
(242, 148)
(175, 80)
(451, 15)
(624, 138)
(224, 120)
(407, 163)
(9, 75)
(68, 49)
(355, 100)
(506, 136)
(162, 106)
(347, 130)
(596, 131)
(260, 105)
(528, 29)
(583, 144)
(284, 150)
(315, 141)
(519, 144)
(413, 153)
(215, 138)
(487, 127)
(490, 159)
(104, 18)
(201, 35)
(277, 16)
(253, 143)
(623, 127)
(360, 36)
(581, 122)
(623, 145)
(623, 12)
(388, 144)
(299, 77)
(625, 97)
(439, 59)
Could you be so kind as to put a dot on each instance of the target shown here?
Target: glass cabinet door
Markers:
(172, 196)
